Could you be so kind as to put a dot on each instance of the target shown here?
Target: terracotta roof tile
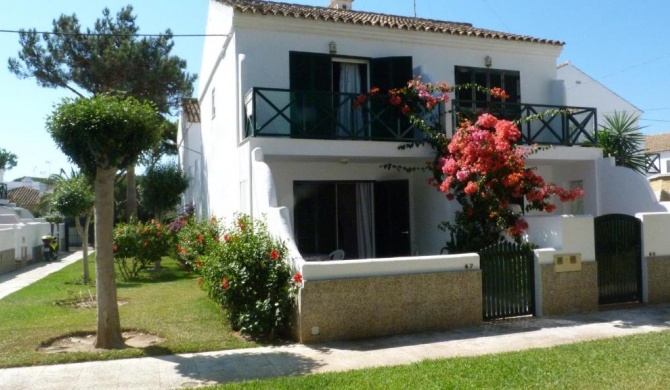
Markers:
(657, 143)
(24, 197)
(375, 19)
(191, 110)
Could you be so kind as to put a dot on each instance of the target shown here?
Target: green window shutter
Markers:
(311, 87)
(389, 73)
(310, 71)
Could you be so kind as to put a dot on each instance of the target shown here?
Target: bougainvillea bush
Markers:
(482, 167)
(249, 276)
(137, 245)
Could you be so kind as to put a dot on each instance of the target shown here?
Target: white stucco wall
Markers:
(624, 191)
(582, 90)
(564, 233)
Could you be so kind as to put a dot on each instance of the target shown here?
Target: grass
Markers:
(634, 362)
(167, 303)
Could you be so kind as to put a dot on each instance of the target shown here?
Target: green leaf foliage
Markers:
(137, 245)
(7, 159)
(104, 131)
(73, 197)
(162, 187)
(621, 137)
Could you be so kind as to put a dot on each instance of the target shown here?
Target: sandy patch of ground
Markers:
(84, 343)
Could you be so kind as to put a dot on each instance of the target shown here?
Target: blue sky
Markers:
(622, 45)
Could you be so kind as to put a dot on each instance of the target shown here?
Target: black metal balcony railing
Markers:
(653, 163)
(3, 191)
(538, 123)
(323, 115)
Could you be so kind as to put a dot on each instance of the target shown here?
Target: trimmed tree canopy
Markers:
(105, 131)
(7, 159)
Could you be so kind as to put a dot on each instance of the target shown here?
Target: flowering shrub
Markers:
(484, 170)
(137, 245)
(249, 276)
(194, 239)
(481, 167)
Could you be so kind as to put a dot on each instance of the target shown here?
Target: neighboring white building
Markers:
(275, 131)
(581, 90)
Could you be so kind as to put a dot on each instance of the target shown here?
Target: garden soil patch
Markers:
(84, 343)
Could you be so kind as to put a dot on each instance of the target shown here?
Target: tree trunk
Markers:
(83, 233)
(109, 324)
(131, 193)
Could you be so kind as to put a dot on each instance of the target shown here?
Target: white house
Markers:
(281, 78)
(272, 132)
(581, 89)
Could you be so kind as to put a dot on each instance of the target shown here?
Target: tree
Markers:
(110, 57)
(7, 159)
(162, 188)
(101, 134)
(621, 137)
(73, 198)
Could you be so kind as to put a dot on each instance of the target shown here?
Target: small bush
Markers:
(193, 239)
(138, 245)
(249, 276)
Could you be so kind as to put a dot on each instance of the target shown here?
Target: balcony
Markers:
(325, 115)
(539, 123)
(652, 163)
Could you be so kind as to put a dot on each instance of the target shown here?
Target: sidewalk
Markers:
(208, 368)
(14, 281)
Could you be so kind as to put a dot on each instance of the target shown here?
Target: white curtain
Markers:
(350, 121)
(364, 220)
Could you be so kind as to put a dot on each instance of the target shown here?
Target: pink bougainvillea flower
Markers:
(297, 278)
(274, 254)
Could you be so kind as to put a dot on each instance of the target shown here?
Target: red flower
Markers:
(158, 234)
(224, 283)
(226, 238)
(199, 281)
(405, 109)
(183, 252)
(200, 238)
(198, 264)
(374, 91)
(297, 278)
(396, 100)
(217, 239)
(158, 225)
(146, 244)
(116, 248)
(274, 255)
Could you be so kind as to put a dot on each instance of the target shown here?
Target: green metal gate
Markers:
(508, 281)
(619, 257)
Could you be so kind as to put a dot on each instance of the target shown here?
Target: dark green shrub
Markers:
(137, 245)
(249, 276)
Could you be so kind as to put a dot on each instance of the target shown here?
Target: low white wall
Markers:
(341, 269)
(655, 228)
(565, 233)
(24, 237)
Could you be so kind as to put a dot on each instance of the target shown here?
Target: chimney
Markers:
(341, 4)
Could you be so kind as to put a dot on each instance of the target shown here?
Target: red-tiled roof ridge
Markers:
(375, 19)
(24, 197)
(191, 109)
(657, 143)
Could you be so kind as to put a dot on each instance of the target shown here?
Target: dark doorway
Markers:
(619, 257)
(392, 218)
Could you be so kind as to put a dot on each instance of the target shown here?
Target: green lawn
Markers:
(167, 303)
(635, 362)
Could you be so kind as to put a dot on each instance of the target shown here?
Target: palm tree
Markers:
(621, 137)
